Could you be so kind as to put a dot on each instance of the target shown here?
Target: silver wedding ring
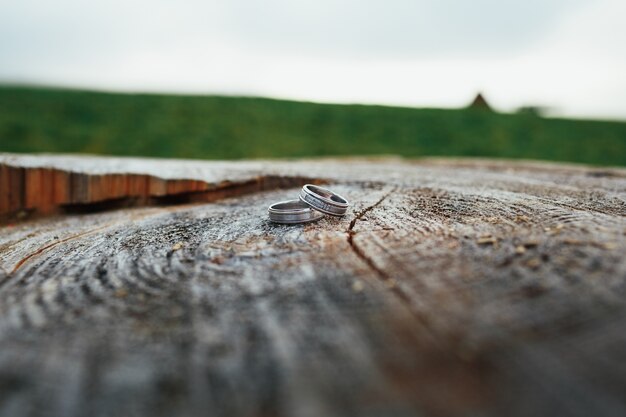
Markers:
(324, 200)
(292, 212)
(314, 202)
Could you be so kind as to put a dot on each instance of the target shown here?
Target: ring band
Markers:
(292, 212)
(324, 200)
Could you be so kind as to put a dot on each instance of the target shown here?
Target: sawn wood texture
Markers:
(451, 288)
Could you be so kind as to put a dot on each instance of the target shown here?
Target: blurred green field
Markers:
(213, 127)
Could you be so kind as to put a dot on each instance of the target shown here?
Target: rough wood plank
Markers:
(450, 288)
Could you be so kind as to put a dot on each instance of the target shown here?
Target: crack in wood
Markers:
(380, 273)
(383, 275)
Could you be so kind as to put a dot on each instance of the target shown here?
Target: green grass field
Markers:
(212, 127)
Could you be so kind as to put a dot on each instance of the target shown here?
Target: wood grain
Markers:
(451, 288)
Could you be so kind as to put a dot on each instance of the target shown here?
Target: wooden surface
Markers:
(451, 288)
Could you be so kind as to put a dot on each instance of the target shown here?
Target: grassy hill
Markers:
(51, 120)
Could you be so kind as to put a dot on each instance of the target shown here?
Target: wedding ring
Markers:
(324, 200)
(292, 212)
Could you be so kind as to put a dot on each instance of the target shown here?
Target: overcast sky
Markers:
(569, 55)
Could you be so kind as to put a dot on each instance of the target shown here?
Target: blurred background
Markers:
(295, 78)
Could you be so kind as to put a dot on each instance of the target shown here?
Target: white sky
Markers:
(569, 55)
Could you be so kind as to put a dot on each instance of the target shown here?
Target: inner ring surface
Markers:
(290, 205)
(326, 194)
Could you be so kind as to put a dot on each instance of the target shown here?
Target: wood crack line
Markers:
(357, 250)
(380, 273)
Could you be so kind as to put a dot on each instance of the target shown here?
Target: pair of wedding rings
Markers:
(313, 204)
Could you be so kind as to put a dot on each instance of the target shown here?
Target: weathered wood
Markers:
(451, 288)
(53, 185)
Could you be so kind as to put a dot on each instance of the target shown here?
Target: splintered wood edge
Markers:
(26, 191)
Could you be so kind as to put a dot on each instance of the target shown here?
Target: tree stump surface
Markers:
(144, 287)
